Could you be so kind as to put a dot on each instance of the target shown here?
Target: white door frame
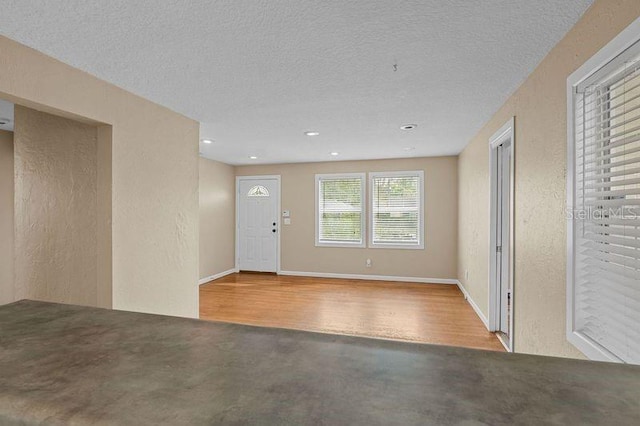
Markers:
(505, 133)
(278, 220)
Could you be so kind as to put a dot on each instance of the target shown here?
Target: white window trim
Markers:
(420, 175)
(362, 177)
(612, 50)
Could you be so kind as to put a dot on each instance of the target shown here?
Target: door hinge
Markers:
(499, 249)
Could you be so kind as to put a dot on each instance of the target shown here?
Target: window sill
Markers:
(341, 245)
(397, 246)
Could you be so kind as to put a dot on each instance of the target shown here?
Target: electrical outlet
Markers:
(368, 263)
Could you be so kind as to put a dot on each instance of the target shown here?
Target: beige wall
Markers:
(217, 217)
(6, 217)
(437, 260)
(56, 208)
(154, 177)
(539, 106)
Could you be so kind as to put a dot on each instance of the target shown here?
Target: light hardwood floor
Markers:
(427, 313)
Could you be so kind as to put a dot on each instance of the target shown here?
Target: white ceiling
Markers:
(6, 112)
(258, 73)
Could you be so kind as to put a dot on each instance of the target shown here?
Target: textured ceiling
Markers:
(259, 73)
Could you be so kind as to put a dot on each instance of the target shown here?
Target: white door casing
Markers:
(501, 246)
(257, 223)
(504, 170)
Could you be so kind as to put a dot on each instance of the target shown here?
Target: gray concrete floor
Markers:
(62, 364)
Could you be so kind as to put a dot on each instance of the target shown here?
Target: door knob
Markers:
(274, 224)
(273, 230)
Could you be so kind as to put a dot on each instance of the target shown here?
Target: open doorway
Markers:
(6, 202)
(501, 306)
(55, 207)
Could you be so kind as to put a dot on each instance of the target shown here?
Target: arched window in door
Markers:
(258, 191)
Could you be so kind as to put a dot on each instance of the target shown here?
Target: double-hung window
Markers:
(340, 217)
(397, 205)
(603, 309)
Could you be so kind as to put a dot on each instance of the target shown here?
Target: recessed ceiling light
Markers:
(312, 133)
(408, 126)
(409, 148)
(207, 141)
(335, 153)
(253, 157)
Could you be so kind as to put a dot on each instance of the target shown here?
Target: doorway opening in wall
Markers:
(501, 294)
(258, 223)
(55, 206)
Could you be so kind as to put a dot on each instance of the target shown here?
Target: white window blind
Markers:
(396, 209)
(606, 214)
(340, 209)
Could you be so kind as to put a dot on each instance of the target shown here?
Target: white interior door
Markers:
(258, 224)
(503, 235)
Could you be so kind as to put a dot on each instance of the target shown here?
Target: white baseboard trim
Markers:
(505, 344)
(475, 307)
(216, 276)
(370, 277)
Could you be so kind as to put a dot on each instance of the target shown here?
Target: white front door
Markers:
(258, 224)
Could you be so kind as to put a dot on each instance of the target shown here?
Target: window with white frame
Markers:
(604, 199)
(397, 205)
(340, 210)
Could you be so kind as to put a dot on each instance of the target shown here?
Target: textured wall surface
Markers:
(299, 253)
(154, 177)
(104, 226)
(217, 217)
(55, 208)
(539, 106)
(6, 217)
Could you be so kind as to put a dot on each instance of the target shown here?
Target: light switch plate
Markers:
(287, 221)
(286, 213)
